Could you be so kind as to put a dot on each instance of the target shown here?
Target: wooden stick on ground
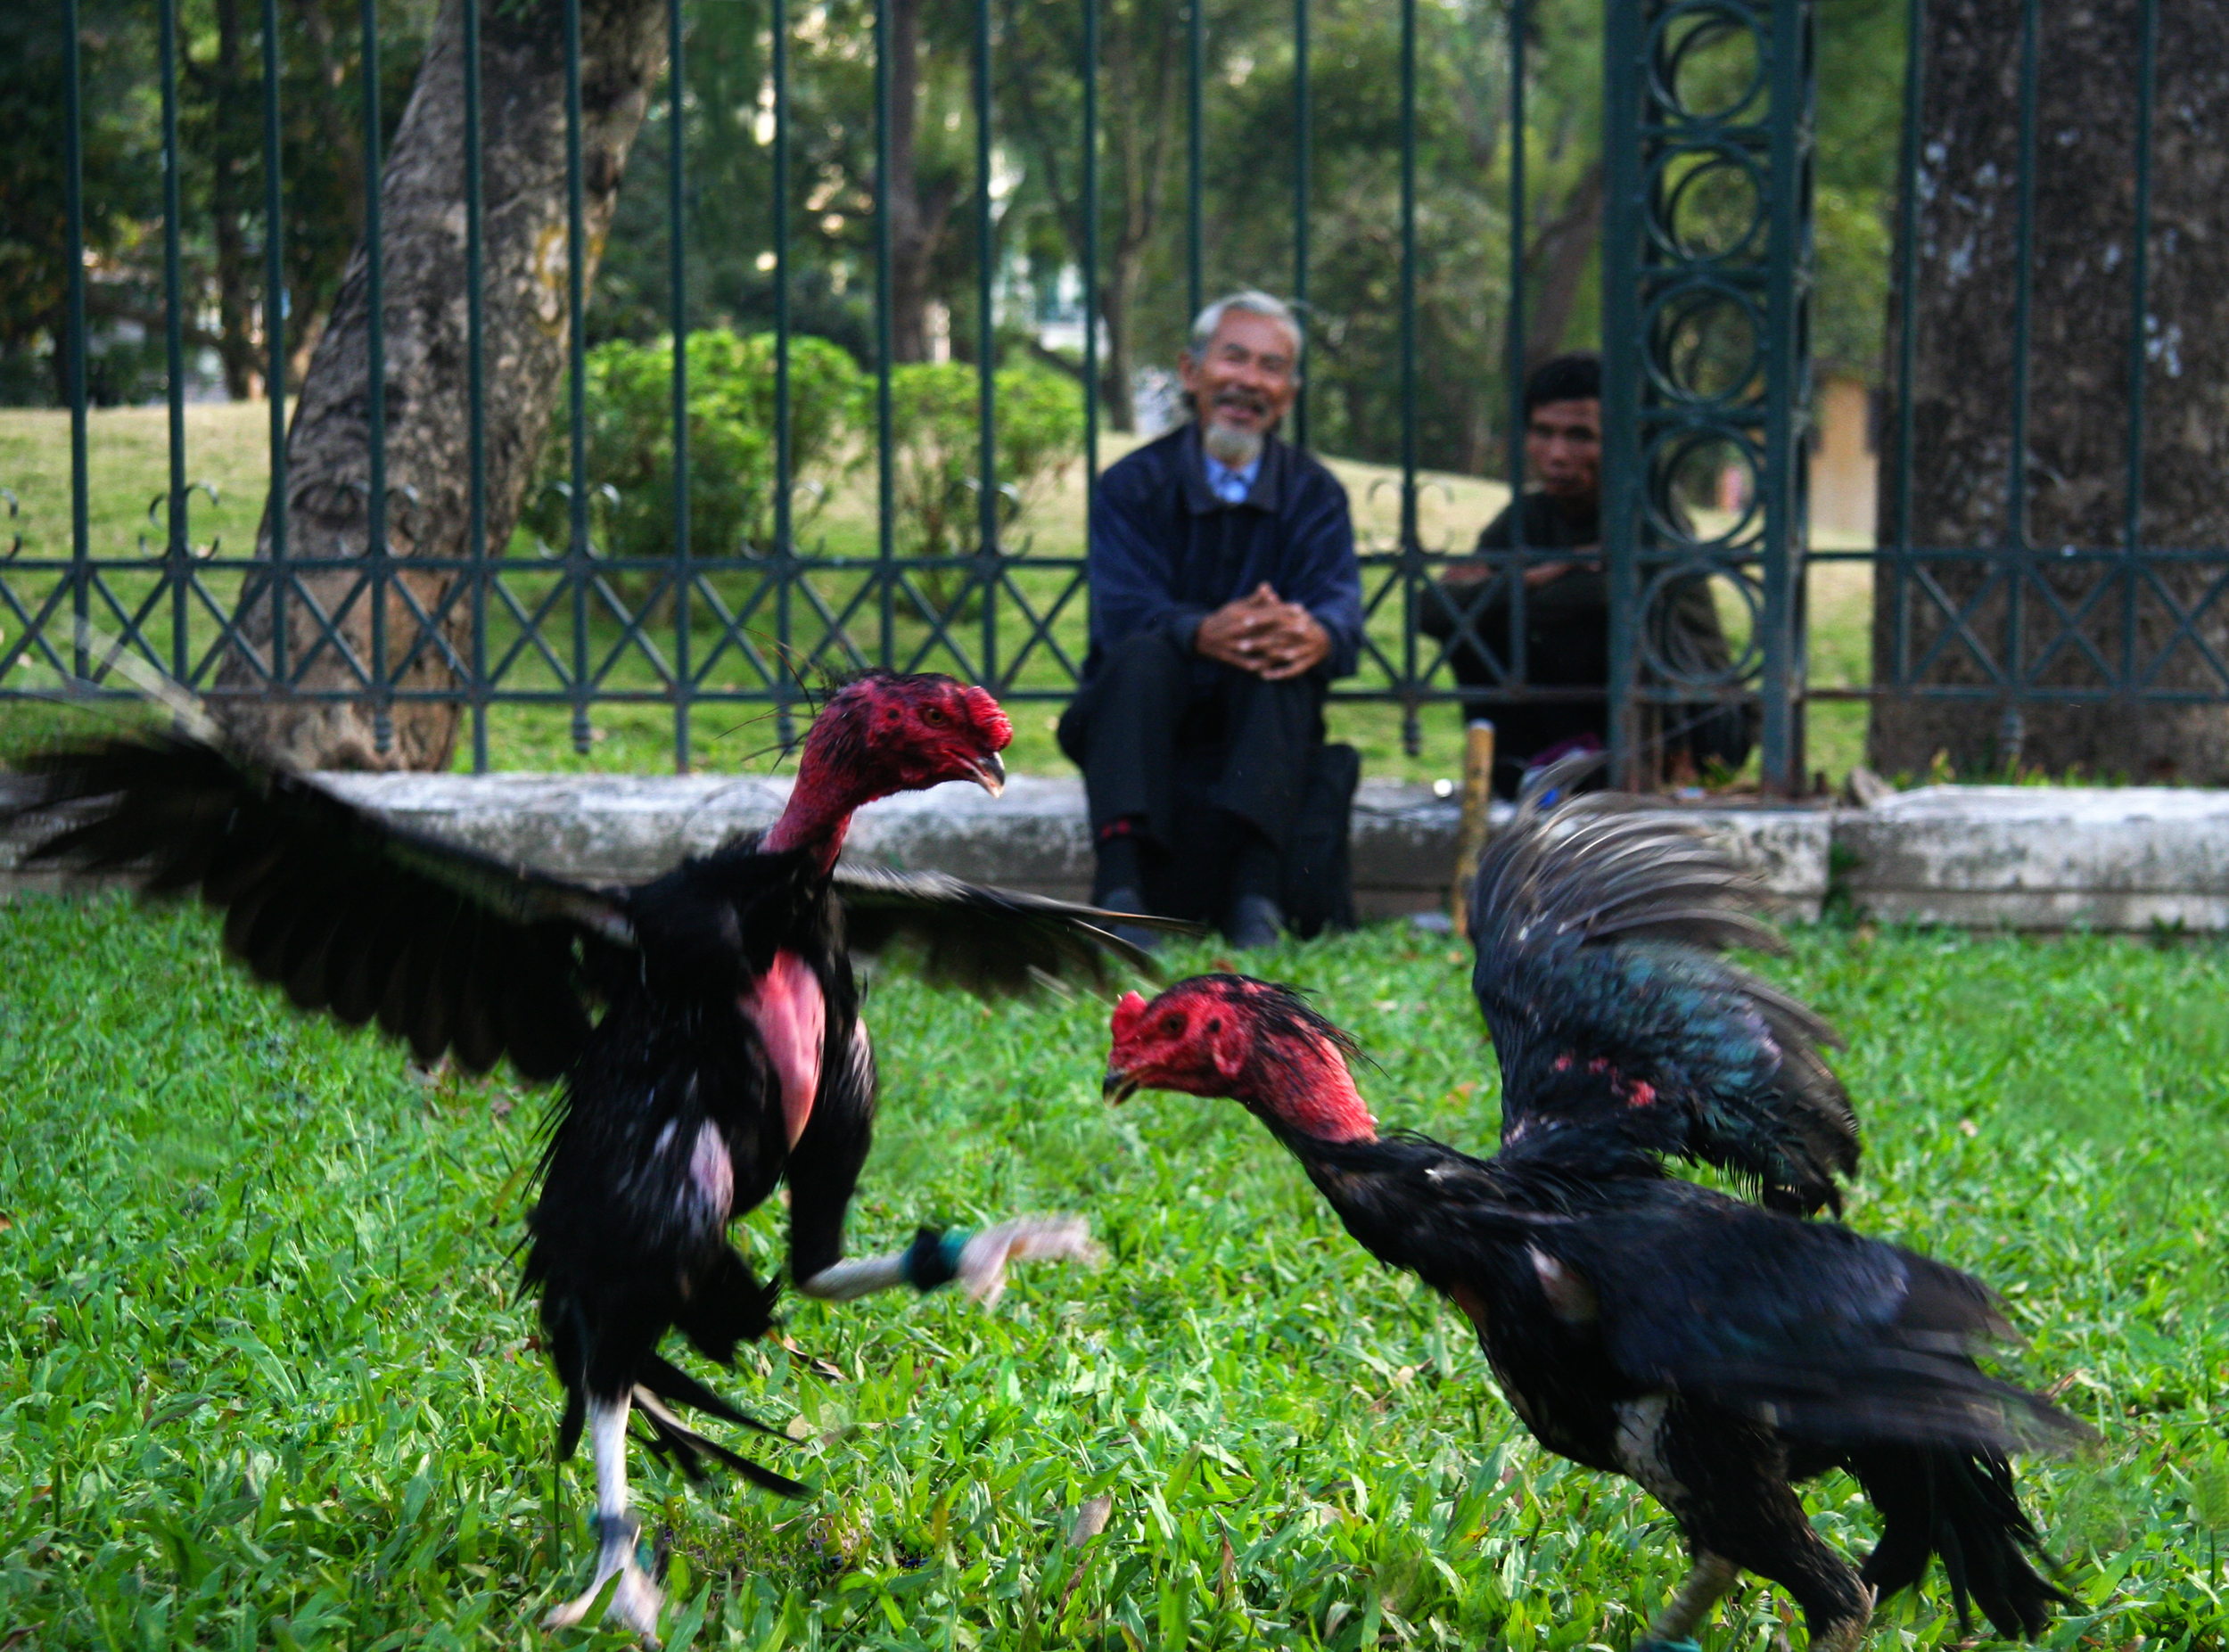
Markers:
(1477, 795)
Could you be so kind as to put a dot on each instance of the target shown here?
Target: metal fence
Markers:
(1704, 337)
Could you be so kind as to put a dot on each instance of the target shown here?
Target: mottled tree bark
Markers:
(2075, 469)
(524, 330)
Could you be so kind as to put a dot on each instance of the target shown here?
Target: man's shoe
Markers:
(1128, 900)
(1254, 921)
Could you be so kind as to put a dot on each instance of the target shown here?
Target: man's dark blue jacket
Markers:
(1165, 552)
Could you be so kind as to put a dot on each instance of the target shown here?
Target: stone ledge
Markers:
(2008, 856)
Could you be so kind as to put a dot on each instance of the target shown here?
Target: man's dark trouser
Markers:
(1126, 727)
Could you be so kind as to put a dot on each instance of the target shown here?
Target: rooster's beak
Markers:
(991, 773)
(1118, 1086)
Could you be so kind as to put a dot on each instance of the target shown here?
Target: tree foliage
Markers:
(1475, 249)
(221, 184)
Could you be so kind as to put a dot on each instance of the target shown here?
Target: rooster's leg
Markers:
(1712, 1576)
(976, 1261)
(636, 1601)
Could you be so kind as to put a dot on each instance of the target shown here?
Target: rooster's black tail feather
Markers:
(1962, 1507)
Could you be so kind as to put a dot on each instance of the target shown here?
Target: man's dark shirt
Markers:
(1566, 618)
(1165, 552)
(1568, 643)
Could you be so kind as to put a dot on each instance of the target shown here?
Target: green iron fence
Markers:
(1705, 262)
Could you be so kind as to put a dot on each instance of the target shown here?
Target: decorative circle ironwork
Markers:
(1690, 60)
(1679, 459)
(1710, 202)
(1705, 344)
(1659, 598)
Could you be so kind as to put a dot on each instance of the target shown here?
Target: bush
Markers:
(630, 407)
(939, 460)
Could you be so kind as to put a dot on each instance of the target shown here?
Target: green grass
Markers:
(227, 446)
(267, 1385)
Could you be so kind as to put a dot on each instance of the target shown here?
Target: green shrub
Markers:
(630, 407)
(938, 464)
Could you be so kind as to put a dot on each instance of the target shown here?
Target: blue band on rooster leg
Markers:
(933, 1257)
(617, 1531)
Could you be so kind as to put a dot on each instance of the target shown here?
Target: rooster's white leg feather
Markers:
(636, 1601)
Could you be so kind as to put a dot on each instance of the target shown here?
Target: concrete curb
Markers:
(2030, 857)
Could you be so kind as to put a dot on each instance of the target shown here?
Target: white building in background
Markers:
(1845, 466)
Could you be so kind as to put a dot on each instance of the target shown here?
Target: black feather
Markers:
(1597, 929)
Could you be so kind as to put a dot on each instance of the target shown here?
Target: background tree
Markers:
(2073, 474)
(525, 327)
(220, 176)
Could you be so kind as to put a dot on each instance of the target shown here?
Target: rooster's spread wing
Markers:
(988, 941)
(1599, 930)
(451, 948)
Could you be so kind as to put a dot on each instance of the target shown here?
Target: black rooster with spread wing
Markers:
(1713, 1351)
(1598, 928)
(729, 1054)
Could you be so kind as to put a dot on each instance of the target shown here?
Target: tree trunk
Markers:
(918, 218)
(2074, 470)
(524, 330)
(1555, 263)
(1118, 371)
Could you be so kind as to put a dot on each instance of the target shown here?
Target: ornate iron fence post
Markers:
(1706, 259)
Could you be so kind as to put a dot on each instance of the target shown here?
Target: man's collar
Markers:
(1201, 499)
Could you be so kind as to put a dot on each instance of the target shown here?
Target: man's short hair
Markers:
(1253, 303)
(1576, 377)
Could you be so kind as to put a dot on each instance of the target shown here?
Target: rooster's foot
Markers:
(634, 1600)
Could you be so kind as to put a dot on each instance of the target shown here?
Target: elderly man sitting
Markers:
(1225, 597)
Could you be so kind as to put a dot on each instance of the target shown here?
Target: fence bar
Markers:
(1623, 35)
(1303, 171)
(1519, 665)
(2013, 729)
(785, 544)
(577, 385)
(1780, 755)
(475, 390)
(73, 188)
(986, 357)
(1411, 546)
(1195, 73)
(1091, 72)
(677, 276)
(2139, 297)
(274, 338)
(177, 562)
(1907, 290)
(375, 389)
(885, 343)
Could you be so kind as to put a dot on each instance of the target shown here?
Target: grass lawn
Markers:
(227, 446)
(267, 1384)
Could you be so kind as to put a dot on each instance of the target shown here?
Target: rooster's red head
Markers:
(1232, 1035)
(882, 733)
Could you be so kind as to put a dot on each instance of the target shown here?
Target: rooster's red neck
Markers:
(1308, 1090)
(820, 807)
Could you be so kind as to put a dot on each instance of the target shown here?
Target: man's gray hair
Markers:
(1251, 301)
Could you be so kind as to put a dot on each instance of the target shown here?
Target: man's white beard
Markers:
(1233, 450)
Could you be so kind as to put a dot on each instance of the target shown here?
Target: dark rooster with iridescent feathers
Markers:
(729, 1056)
(1716, 1353)
(1599, 927)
